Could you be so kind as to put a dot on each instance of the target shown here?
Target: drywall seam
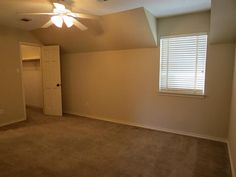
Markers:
(230, 159)
(195, 135)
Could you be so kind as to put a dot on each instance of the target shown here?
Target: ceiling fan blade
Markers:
(59, 6)
(38, 14)
(46, 25)
(82, 15)
(79, 25)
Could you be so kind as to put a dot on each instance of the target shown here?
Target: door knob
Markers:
(58, 85)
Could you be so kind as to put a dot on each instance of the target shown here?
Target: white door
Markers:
(51, 80)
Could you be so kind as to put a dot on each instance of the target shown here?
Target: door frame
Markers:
(21, 71)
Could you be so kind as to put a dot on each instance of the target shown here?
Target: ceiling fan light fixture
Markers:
(69, 21)
(62, 15)
(59, 7)
(57, 20)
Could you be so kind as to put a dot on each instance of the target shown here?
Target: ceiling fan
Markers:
(61, 15)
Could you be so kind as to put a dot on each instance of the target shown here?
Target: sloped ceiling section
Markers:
(223, 21)
(152, 24)
(119, 31)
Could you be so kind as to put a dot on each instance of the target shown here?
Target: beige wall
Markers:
(11, 97)
(184, 24)
(121, 86)
(232, 125)
(32, 79)
(223, 21)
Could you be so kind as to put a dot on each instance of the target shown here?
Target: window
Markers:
(183, 64)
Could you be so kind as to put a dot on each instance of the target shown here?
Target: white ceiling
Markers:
(109, 33)
(159, 8)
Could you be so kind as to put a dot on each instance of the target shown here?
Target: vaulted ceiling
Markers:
(124, 24)
(159, 8)
(130, 29)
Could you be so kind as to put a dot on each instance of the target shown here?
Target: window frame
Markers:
(182, 92)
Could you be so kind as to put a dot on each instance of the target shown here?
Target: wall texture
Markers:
(232, 125)
(121, 86)
(32, 79)
(11, 97)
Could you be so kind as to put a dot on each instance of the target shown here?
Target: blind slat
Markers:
(183, 64)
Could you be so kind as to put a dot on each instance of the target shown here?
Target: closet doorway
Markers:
(41, 77)
(32, 75)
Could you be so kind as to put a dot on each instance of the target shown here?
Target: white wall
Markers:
(232, 125)
(121, 86)
(32, 79)
(11, 92)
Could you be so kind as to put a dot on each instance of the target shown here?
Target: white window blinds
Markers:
(183, 64)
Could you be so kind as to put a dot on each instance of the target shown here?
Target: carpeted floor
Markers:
(44, 146)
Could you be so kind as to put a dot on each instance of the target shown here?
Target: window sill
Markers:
(181, 95)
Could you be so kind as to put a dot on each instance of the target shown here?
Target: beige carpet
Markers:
(80, 147)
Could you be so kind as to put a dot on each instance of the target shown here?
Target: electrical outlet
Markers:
(1, 111)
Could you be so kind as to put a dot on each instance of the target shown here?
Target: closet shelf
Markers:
(31, 59)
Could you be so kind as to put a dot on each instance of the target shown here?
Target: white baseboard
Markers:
(12, 122)
(151, 127)
(231, 160)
